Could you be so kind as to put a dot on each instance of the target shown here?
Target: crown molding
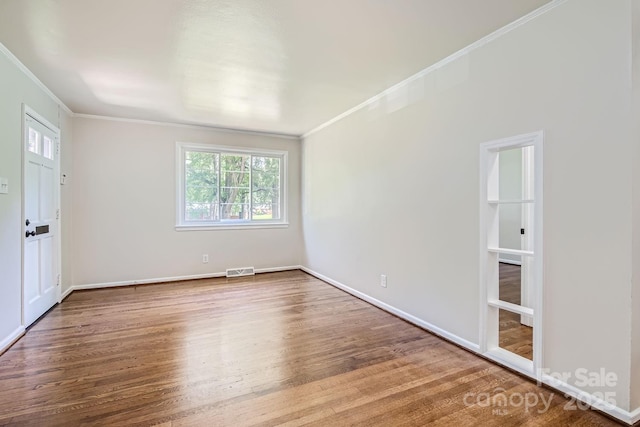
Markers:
(190, 126)
(13, 59)
(464, 51)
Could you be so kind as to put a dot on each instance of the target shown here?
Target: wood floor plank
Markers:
(274, 349)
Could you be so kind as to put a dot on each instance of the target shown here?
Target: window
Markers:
(37, 142)
(230, 187)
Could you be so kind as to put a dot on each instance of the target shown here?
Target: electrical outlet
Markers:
(383, 280)
(205, 258)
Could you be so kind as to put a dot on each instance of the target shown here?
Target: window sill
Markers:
(246, 226)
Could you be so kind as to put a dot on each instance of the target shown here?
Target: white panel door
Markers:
(40, 268)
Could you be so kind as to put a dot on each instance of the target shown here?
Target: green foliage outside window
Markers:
(229, 186)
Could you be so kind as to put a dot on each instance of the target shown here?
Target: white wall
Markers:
(66, 201)
(124, 206)
(395, 190)
(635, 298)
(15, 89)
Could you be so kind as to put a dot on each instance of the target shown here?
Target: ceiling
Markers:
(282, 66)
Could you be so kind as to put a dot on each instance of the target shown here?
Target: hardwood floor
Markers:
(274, 349)
(513, 335)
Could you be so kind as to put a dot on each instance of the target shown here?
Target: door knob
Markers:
(32, 233)
(27, 223)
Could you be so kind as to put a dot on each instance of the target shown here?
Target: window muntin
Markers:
(230, 187)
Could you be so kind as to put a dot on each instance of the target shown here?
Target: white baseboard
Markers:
(169, 279)
(66, 293)
(12, 338)
(146, 281)
(634, 416)
(277, 269)
(567, 389)
(393, 310)
(593, 401)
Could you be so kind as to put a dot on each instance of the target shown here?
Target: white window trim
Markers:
(182, 225)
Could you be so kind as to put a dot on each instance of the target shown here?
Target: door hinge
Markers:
(57, 148)
(57, 213)
(58, 284)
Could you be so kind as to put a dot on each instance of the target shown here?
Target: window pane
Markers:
(514, 336)
(33, 144)
(266, 188)
(234, 211)
(510, 176)
(512, 234)
(201, 186)
(47, 148)
(201, 211)
(235, 174)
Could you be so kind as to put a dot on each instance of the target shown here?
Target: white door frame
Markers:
(28, 111)
(489, 253)
(527, 297)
